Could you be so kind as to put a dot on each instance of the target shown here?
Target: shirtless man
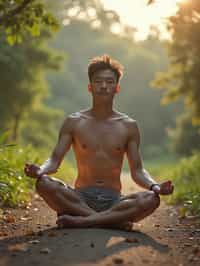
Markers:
(100, 137)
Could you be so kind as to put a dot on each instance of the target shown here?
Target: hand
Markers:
(164, 188)
(32, 170)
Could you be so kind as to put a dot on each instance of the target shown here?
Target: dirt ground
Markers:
(30, 237)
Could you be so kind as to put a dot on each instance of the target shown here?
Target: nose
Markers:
(103, 84)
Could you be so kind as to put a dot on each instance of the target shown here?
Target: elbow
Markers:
(134, 176)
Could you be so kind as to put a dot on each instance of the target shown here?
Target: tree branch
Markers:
(15, 11)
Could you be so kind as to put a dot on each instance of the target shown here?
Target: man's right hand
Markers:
(164, 188)
(32, 170)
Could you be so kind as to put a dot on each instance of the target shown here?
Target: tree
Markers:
(182, 79)
(19, 17)
(23, 85)
(185, 137)
(40, 126)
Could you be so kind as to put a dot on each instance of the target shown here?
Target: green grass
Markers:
(15, 187)
(159, 167)
(185, 174)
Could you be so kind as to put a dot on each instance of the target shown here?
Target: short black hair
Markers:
(104, 62)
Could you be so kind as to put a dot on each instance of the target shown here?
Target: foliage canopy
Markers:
(19, 17)
(182, 79)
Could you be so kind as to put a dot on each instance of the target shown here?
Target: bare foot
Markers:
(68, 221)
(127, 226)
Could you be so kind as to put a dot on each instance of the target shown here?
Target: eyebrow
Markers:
(111, 78)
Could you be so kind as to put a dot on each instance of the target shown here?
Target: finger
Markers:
(167, 183)
(165, 190)
(168, 186)
(170, 183)
(33, 168)
(168, 190)
(26, 168)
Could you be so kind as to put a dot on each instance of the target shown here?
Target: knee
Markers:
(41, 185)
(125, 204)
(149, 199)
(155, 198)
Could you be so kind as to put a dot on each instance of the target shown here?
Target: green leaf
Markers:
(35, 30)
(11, 39)
(4, 137)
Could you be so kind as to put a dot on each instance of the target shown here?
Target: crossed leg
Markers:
(76, 213)
(60, 198)
(131, 209)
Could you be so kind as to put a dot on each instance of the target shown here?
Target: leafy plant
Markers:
(185, 176)
(15, 187)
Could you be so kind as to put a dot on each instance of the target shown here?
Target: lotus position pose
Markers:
(100, 137)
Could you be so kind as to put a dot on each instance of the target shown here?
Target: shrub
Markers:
(15, 186)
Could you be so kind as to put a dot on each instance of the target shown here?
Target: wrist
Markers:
(40, 173)
(153, 185)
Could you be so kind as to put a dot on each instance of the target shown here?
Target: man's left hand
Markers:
(164, 188)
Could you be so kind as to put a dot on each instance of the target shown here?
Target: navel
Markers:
(84, 146)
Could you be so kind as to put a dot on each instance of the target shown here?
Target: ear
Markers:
(89, 87)
(117, 90)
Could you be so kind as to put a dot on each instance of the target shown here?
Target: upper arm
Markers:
(133, 147)
(64, 140)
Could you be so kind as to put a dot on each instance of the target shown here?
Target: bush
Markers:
(15, 187)
(185, 175)
(185, 137)
(187, 184)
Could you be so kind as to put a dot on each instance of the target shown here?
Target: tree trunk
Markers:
(14, 132)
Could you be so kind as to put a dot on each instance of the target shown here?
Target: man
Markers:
(100, 137)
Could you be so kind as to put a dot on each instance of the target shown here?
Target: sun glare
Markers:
(142, 16)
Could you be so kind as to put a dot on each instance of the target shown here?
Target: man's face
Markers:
(104, 83)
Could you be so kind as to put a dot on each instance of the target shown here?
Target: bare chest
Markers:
(92, 136)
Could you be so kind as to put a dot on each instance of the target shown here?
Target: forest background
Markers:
(45, 47)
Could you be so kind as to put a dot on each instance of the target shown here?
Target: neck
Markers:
(102, 110)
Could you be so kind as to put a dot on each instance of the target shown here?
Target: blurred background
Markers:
(45, 47)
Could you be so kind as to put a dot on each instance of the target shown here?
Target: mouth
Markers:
(103, 92)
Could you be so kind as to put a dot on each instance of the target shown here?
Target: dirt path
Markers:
(31, 238)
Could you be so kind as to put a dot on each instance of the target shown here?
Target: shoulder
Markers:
(118, 116)
(70, 122)
(74, 118)
(129, 123)
(132, 128)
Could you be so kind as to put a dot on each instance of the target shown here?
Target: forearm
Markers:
(50, 166)
(143, 178)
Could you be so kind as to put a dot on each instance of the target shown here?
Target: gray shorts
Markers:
(99, 198)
